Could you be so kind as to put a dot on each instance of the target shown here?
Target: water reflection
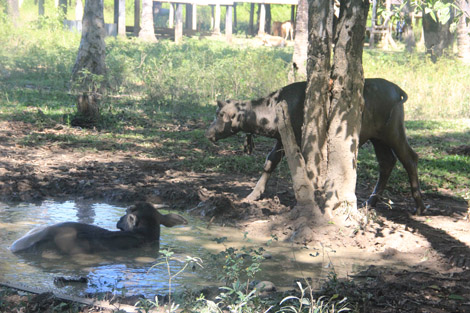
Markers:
(130, 271)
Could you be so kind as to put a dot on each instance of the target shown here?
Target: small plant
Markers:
(168, 256)
(467, 197)
(306, 303)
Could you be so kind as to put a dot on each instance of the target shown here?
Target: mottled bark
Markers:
(347, 104)
(332, 114)
(299, 58)
(314, 132)
(463, 31)
(147, 31)
(90, 68)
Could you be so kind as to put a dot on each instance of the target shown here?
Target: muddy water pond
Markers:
(143, 271)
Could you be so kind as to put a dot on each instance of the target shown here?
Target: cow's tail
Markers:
(403, 95)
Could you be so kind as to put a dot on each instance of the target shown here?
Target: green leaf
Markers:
(456, 297)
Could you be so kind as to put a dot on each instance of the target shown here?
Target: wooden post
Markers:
(228, 23)
(252, 13)
(217, 19)
(78, 9)
(171, 16)
(136, 17)
(41, 7)
(212, 17)
(188, 16)
(268, 19)
(292, 14)
(235, 15)
(262, 19)
(121, 22)
(179, 23)
(194, 19)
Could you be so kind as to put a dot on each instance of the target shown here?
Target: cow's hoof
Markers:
(251, 197)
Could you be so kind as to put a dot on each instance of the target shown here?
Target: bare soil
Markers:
(436, 246)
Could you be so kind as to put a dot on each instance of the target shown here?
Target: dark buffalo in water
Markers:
(382, 124)
(140, 226)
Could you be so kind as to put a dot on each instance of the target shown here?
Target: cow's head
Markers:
(144, 218)
(227, 121)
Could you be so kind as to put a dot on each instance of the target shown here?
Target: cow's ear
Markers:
(220, 104)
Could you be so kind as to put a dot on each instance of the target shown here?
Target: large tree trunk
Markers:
(463, 31)
(332, 117)
(147, 30)
(299, 59)
(347, 104)
(437, 36)
(90, 68)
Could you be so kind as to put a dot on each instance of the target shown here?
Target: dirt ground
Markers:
(436, 245)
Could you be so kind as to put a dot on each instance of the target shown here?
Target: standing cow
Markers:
(382, 124)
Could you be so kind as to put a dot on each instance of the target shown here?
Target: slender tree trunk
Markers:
(252, 13)
(88, 73)
(299, 58)
(463, 31)
(137, 17)
(373, 24)
(147, 30)
(388, 39)
(408, 34)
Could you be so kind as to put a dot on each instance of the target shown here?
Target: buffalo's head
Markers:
(144, 218)
(227, 121)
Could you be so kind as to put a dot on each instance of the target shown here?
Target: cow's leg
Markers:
(386, 160)
(272, 160)
(409, 159)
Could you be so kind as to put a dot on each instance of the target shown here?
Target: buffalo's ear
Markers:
(132, 221)
(170, 220)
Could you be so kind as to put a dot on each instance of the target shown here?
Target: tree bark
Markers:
(408, 34)
(299, 58)
(347, 104)
(463, 31)
(89, 70)
(437, 36)
(147, 31)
